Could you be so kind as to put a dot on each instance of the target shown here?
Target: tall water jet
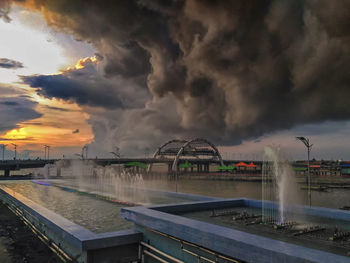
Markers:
(279, 187)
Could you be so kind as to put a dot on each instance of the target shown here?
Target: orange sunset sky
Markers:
(62, 123)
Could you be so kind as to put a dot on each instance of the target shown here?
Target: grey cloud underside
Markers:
(232, 69)
(15, 110)
(10, 64)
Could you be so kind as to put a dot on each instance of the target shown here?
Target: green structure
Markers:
(186, 165)
(136, 164)
(226, 168)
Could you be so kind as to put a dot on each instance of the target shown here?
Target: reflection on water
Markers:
(85, 210)
(93, 214)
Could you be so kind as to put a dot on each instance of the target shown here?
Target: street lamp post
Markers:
(15, 145)
(308, 146)
(47, 152)
(84, 150)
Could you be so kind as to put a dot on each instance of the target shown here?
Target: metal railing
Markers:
(153, 252)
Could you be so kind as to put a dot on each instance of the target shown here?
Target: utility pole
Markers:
(308, 146)
(15, 145)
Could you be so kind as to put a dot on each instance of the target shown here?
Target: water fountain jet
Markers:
(279, 188)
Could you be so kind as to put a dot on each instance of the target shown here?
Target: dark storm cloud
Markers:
(10, 64)
(59, 86)
(87, 87)
(15, 110)
(231, 69)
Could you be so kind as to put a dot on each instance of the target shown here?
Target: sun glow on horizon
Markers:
(38, 135)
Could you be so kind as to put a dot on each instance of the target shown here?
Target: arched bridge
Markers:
(189, 154)
(195, 150)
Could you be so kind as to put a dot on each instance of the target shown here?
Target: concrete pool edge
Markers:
(237, 244)
(79, 243)
(75, 240)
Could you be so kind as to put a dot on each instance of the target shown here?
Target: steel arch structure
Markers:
(166, 149)
(189, 147)
(175, 150)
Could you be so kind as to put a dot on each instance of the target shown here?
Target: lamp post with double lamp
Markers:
(308, 146)
(116, 153)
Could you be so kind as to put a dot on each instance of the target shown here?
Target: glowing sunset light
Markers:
(16, 134)
(82, 62)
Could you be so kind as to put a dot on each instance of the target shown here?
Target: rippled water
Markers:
(93, 214)
(85, 210)
(102, 216)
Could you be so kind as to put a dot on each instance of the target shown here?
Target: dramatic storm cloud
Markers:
(225, 70)
(10, 64)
